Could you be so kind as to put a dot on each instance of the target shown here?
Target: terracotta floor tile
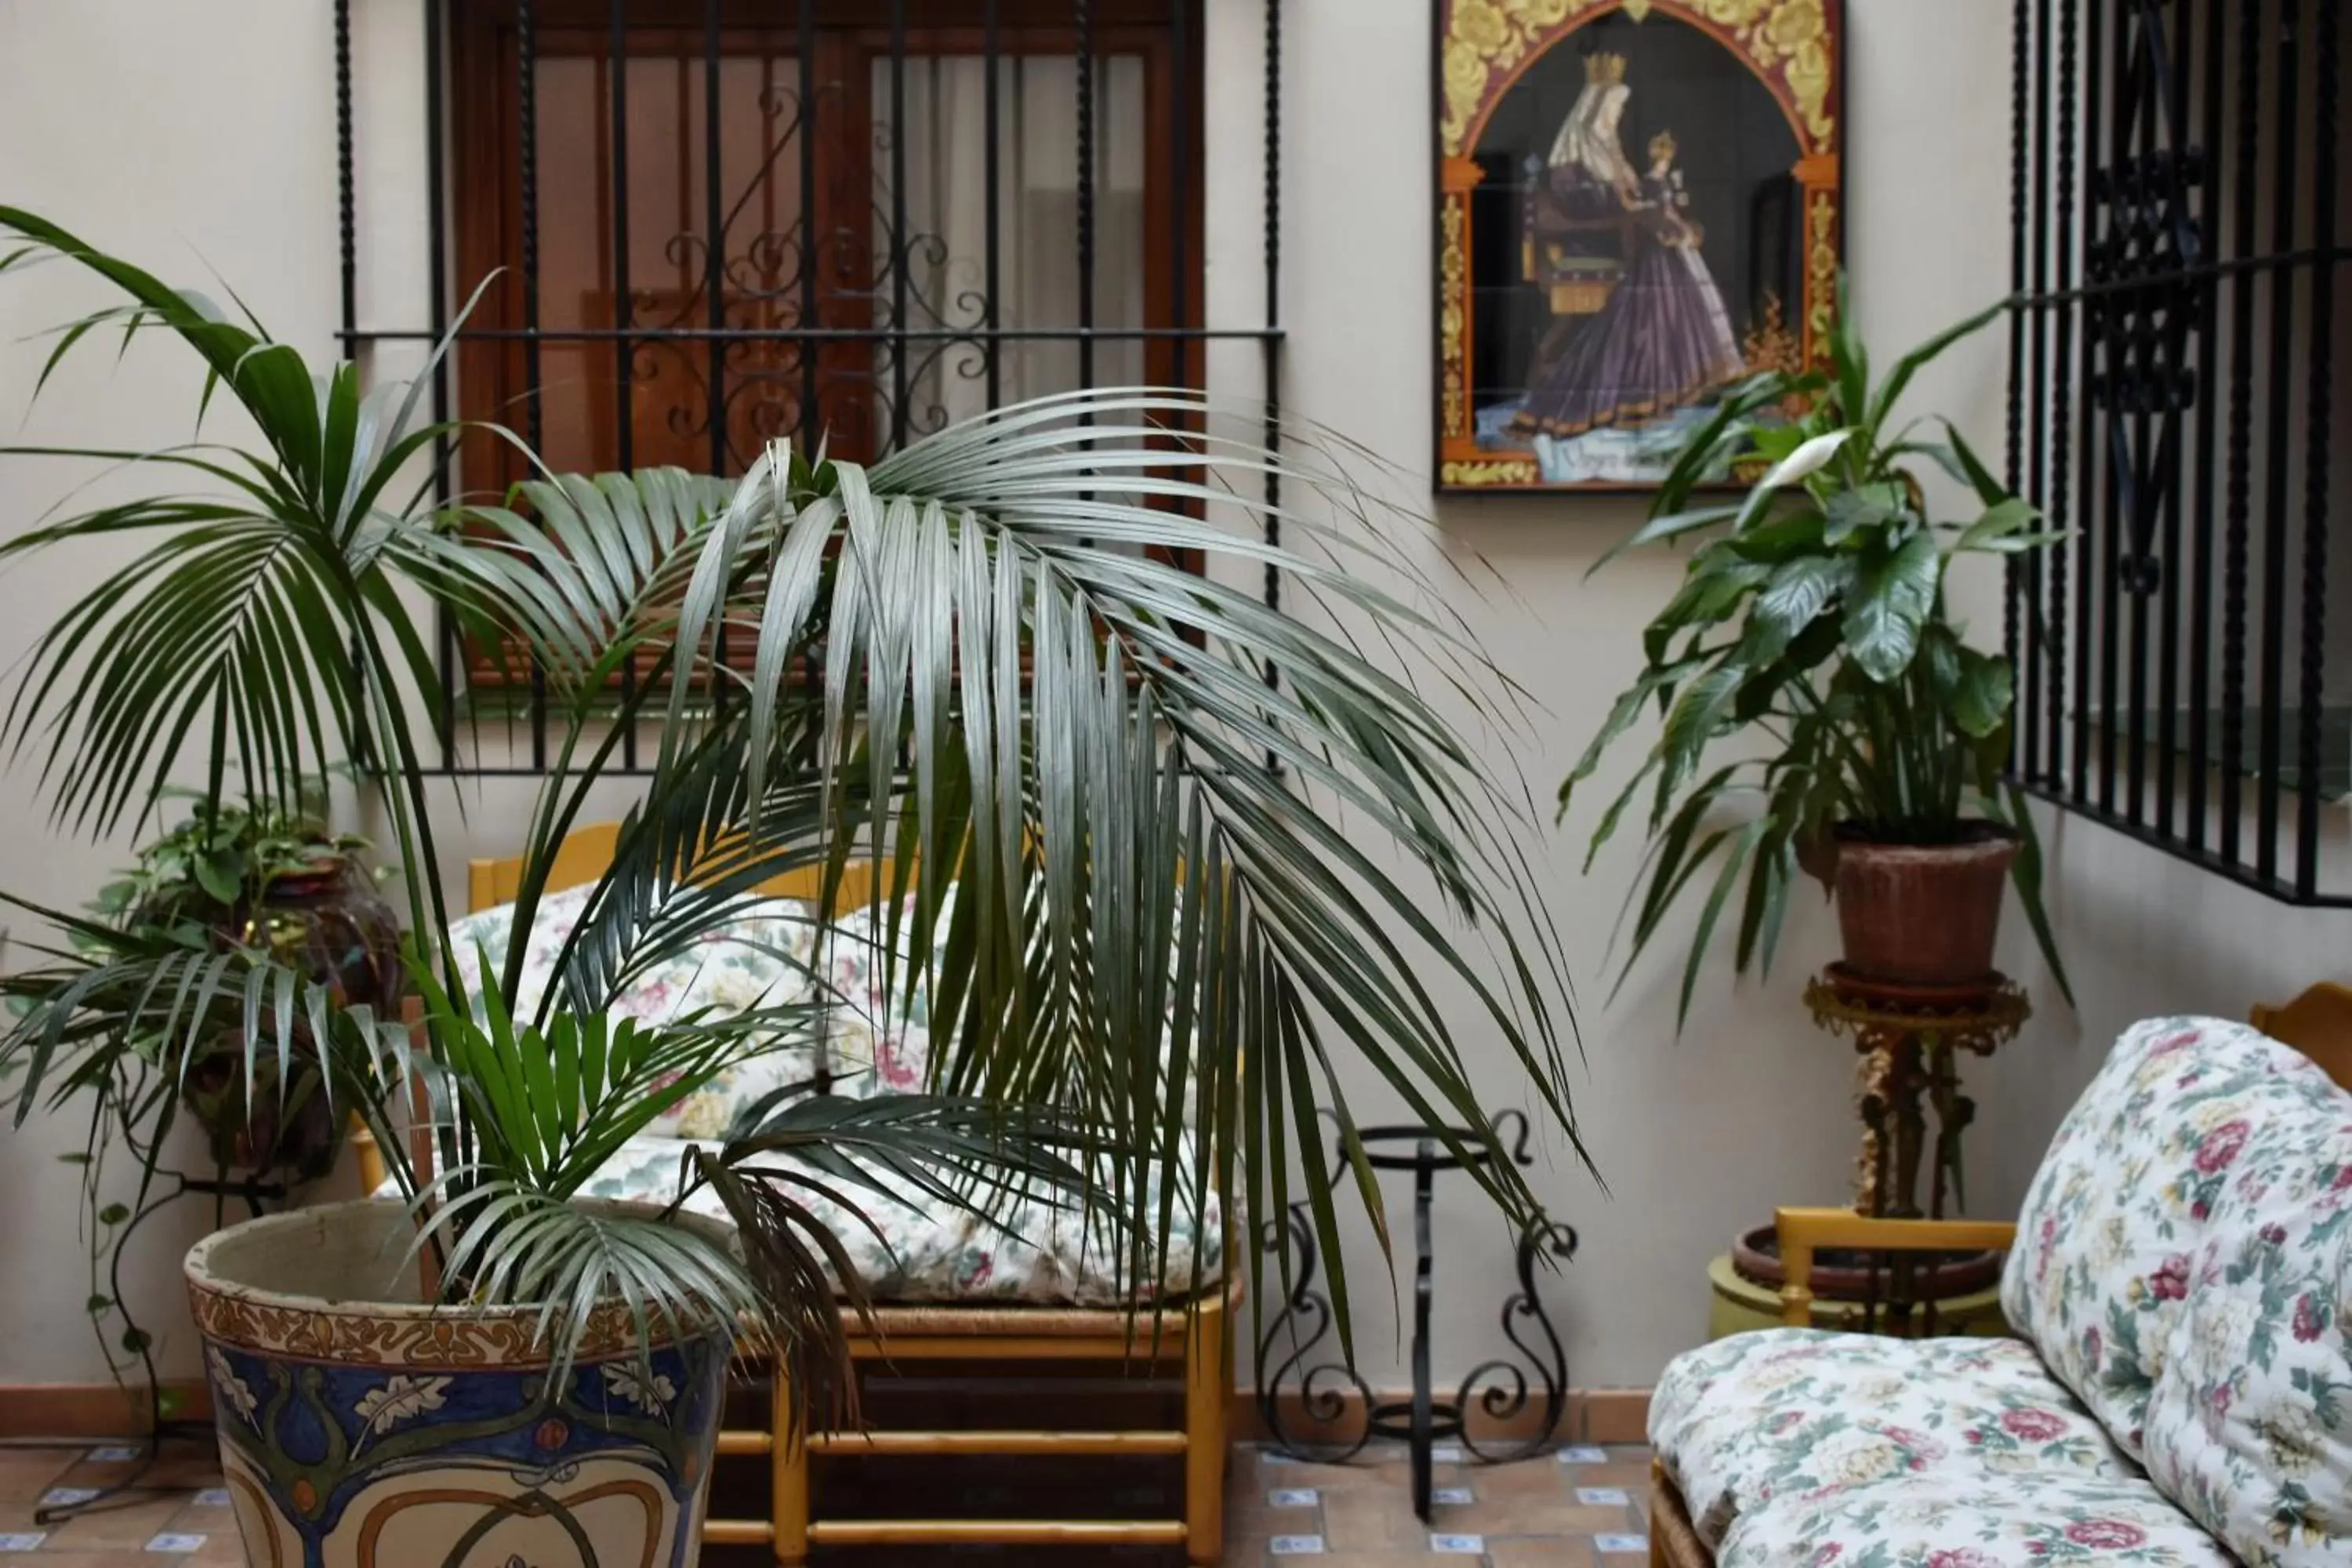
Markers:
(26, 1473)
(1543, 1476)
(1570, 1518)
(1541, 1551)
(1371, 1520)
(116, 1528)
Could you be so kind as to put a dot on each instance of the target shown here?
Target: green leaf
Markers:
(114, 1213)
(1881, 406)
(2002, 520)
(1883, 616)
(1980, 698)
(1802, 589)
(1867, 507)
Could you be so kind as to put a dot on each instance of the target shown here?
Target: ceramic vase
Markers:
(359, 1433)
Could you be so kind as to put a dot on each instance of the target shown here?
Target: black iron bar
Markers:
(901, 253)
(1180, 184)
(624, 432)
(2278, 491)
(2173, 396)
(1084, 63)
(2242, 438)
(2012, 584)
(2063, 405)
(2318, 436)
(436, 305)
(2219, 266)
(810, 240)
(2225, 867)
(2038, 454)
(714, 278)
(2103, 530)
(534, 413)
(1273, 310)
(346, 190)
(2208, 381)
(831, 334)
(992, 220)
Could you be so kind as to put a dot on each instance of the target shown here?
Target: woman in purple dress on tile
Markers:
(1661, 342)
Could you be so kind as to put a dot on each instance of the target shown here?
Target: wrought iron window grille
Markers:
(2179, 192)
(803, 134)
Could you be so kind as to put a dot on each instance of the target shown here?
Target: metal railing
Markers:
(2178, 192)
(800, 294)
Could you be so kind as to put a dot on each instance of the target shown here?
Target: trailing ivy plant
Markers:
(1812, 634)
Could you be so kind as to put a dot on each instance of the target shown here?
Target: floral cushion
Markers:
(761, 957)
(2127, 1197)
(877, 1027)
(2249, 1422)
(2028, 1519)
(1756, 1418)
(920, 1250)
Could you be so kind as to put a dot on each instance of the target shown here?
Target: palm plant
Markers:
(962, 670)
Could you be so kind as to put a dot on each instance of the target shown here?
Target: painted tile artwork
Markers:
(1638, 207)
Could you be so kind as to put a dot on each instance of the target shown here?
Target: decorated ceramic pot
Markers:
(356, 1433)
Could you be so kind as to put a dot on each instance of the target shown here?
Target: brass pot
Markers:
(1923, 914)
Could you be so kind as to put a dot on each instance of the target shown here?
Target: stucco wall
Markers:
(194, 135)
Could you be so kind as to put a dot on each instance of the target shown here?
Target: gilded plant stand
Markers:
(1911, 1039)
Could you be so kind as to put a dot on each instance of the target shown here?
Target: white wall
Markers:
(187, 132)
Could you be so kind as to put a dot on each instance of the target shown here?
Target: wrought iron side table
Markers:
(1422, 1419)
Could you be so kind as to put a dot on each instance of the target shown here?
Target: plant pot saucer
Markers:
(1854, 986)
(1845, 1274)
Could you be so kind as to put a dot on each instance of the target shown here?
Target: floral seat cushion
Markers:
(919, 1250)
(2032, 1518)
(1757, 1418)
(2185, 1264)
(763, 957)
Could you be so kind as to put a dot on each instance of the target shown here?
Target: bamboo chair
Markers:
(1195, 1335)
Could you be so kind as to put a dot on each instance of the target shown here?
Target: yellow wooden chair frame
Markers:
(1196, 1335)
(2318, 1024)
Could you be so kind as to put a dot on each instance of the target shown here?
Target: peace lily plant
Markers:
(964, 665)
(1811, 639)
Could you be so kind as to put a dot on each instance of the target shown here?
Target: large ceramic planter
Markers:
(359, 1434)
(1923, 914)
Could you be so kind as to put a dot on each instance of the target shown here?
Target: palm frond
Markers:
(1084, 733)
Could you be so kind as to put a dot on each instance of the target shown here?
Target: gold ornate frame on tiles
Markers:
(1796, 47)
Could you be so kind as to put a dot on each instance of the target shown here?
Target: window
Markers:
(2179, 399)
(710, 223)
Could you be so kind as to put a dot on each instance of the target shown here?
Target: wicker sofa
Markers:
(2180, 1392)
(1033, 1282)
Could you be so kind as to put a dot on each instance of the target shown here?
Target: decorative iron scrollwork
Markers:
(1500, 1389)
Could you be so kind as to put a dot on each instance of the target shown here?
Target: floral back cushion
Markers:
(763, 957)
(2126, 1201)
(878, 1037)
(2250, 1423)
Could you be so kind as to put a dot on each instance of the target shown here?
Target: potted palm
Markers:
(1812, 634)
(961, 672)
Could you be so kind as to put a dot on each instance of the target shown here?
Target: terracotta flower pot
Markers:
(1923, 914)
(357, 1432)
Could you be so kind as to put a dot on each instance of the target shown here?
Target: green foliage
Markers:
(966, 667)
(223, 855)
(1814, 618)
